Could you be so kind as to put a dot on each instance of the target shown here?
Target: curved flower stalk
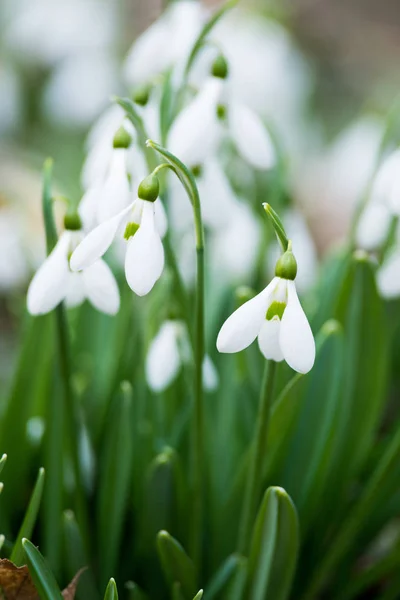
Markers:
(198, 129)
(54, 282)
(275, 317)
(169, 352)
(137, 224)
(166, 42)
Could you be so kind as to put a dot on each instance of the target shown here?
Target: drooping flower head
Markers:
(138, 225)
(54, 282)
(275, 317)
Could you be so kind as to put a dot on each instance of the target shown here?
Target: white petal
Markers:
(50, 284)
(210, 374)
(243, 326)
(161, 217)
(251, 136)
(144, 261)
(115, 194)
(163, 359)
(101, 289)
(76, 291)
(88, 206)
(268, 339)
(388, 276)
(296, 338)
(218, 199)
(196, 131)
(373, 226)
(97, 242)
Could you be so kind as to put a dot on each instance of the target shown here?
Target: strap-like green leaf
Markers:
(274, 547)
(42, 577)
(111, 591)
(176, 564)
(116, 471)
(76, 557)
(17, 555)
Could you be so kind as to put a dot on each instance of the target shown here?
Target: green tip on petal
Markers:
(149, 188)
(220, 67)
(286, 266)
(122, 139)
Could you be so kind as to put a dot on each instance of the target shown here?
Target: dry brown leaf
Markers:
(16, 583)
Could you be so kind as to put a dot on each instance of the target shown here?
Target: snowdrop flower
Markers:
(384, 203)
(165, 42)
(144, 258)
(198, 129)
(276, 318)
(169, 351)
(54, 282)
(388, 276)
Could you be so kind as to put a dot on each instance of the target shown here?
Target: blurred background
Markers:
(326, 74)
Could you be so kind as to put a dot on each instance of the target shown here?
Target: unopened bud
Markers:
(220, 67)
(122, 139)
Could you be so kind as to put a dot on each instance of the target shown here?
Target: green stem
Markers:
(254, 482)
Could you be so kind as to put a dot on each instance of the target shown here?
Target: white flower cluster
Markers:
(121, 202)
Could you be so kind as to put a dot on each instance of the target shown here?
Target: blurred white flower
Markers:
(166, 42)
(54, 282)
(79, 88)
(388, 275)
(45, 32)
(169, 351)
(13, 259)
(276, 318)
(198, 129)
(144, 259)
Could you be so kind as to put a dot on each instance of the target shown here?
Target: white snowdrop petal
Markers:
(251, 136)
(196, 131)
(218, 198)
(88, 206)
(76, 292)
(373, 226)
(49, 286)
(243, 326)
(388, 276)
(268, 339)
(210, 374)
(100, 286)
(115, 193)
(149, 54)
(97, 242)
(144, 261)
(296, 338)
(163, 358)
(161, 217)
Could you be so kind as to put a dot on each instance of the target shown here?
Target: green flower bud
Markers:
(122, 139)
(149, 188)
(141, 94)
(220, 67)
(72, 220)
(286, 266)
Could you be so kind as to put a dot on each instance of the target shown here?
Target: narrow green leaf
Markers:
(223, 577)
(137, 122)
(41, 575)
(274, 547)
(177, 591)
(3, 461)
(277, 225)
(17, 555)
(47, 206)
(115, 477)
(199, 595)
(76, 557)
(111, 590)
(2, 540)
(176, 564)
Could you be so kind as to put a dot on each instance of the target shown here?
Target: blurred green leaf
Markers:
(41, 575)
(17, 555)
(115, 478)
(274, 547)
(111, 591)
(199, 595)
(177, 566)
(3, 461)
(223, 577)
(134, 591)
(76, 557)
